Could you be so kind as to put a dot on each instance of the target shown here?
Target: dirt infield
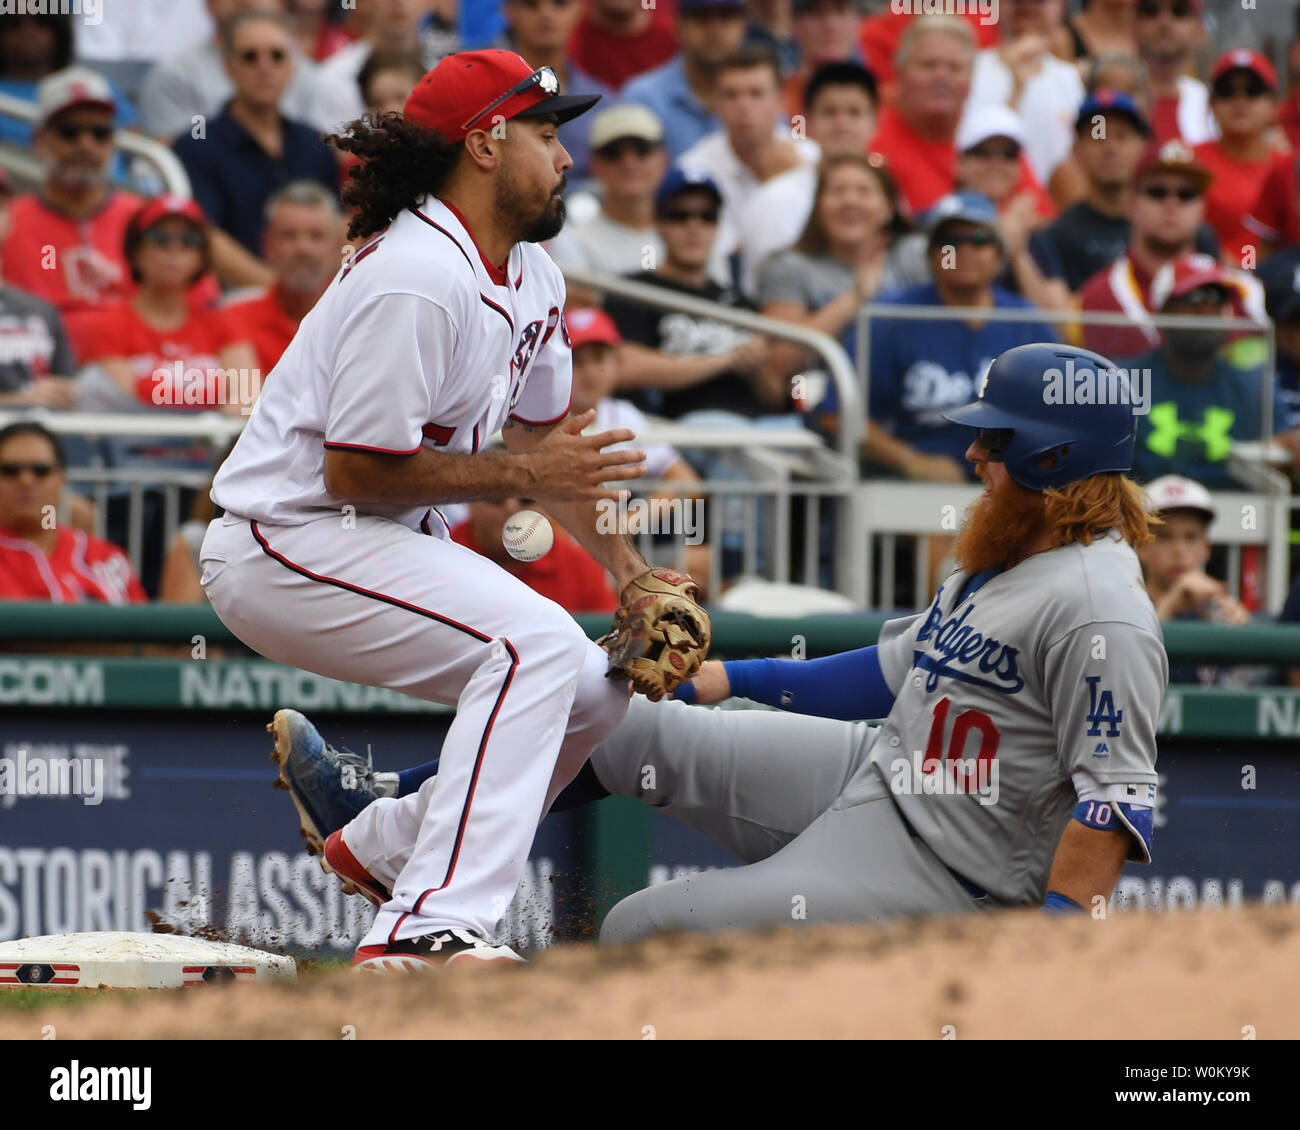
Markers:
(1194, 975)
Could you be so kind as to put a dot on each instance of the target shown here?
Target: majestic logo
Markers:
(1102, 709)
(965, 654)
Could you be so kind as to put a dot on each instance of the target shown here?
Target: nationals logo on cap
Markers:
(477, 89)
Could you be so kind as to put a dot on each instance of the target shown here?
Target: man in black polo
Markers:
(239, 158)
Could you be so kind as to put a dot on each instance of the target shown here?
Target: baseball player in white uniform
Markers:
(1015, 765)
(329, 552)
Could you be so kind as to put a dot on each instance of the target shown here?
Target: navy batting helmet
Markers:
(1054, 400)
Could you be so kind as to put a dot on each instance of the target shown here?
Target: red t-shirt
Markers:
(926, 170)
(1164, 119)
(1232, 195)
(616, 58)
(262, 321)
(1274, 216)
(77, 265)
(1102, 294)
(120, 333)
(879, 35)
(80, 568)
(568, 575)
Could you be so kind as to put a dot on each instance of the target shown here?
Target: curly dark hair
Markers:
(398, 162)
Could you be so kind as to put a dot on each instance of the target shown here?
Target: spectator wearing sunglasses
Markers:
(674, 364)
(64, 243)
(1023, 74)
(250, 149)
(920, 369)
(1169, 35)
(1166, 210)
(1243, 97)
(991, 161)
(1199, 401)
(42, 556)
(157, 348)
(628, 162)
(193, 83)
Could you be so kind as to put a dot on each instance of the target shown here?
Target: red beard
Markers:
(998, 526)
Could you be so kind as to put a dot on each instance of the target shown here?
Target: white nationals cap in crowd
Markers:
(72, 86)
(1174, 492)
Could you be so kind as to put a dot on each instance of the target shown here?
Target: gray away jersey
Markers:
(1051, 668)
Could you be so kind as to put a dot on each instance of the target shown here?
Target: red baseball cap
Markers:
(589, 325)
(472, 90)
(1244, 59)
(1174, 156)
(163, 207)
(1187, 273)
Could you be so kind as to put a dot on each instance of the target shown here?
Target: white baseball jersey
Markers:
(1045, 683)
(417, 342)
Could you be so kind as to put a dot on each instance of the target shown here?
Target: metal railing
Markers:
(171, 173)
(835, 467)
(891, 509)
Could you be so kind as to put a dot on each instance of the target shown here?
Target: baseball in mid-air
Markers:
(527, 536)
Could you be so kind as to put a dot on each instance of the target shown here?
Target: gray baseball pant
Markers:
(767, 786)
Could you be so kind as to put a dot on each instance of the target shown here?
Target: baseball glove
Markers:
(661, 635)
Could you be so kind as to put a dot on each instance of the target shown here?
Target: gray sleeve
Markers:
(895, 646)
(1104, 684)
(783, 277)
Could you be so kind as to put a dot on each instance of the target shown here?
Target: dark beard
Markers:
(517, 211)
(548, 224)
(997, 526)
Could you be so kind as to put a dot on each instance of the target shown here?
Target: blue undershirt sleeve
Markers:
(848, 686)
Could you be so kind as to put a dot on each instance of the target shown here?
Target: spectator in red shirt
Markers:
(1243, 96)
(41, 557)
(64, 244)
(880, 35)
(916, 135)
(1169, 34)
(568, 574)
(301, 244)
(1166, 211)
(317, 35)
(617, 39)
(158, 348)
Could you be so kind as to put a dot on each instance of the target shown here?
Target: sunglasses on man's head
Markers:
(40, 470)
(615, 149)
(682, 215)
(250, 55)
(1247, 88)
(70, 131)
(1009, 152)
(160, 237)
(1180, 9)
(1163, 192)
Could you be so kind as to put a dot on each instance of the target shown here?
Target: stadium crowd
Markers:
(804, 159)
